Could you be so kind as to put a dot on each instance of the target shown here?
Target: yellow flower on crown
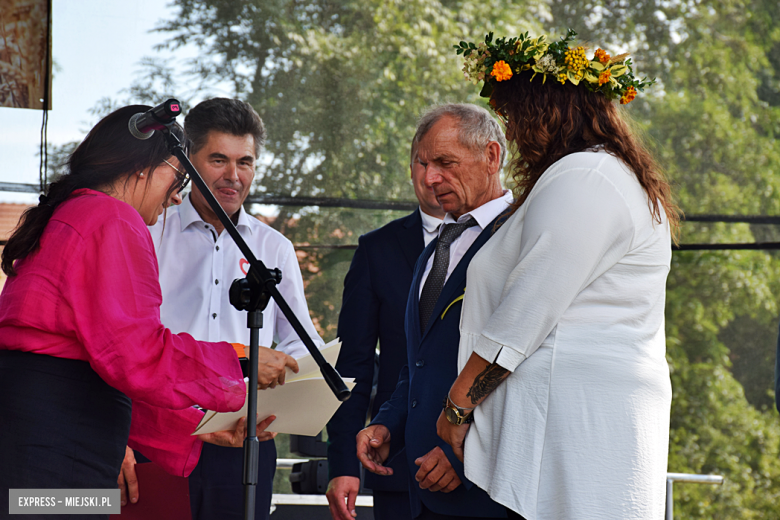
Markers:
(575, 59)
(501, 71)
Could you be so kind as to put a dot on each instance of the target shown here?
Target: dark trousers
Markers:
(62, 427)
(217, 483)
(513, 515)
(392, 505)
(427, 514)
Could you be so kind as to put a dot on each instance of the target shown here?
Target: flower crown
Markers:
(612, 76)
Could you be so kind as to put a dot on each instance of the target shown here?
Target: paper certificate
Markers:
(302, 406)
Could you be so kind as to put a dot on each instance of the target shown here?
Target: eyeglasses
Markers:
(182, 178)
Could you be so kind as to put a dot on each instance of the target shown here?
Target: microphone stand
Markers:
(253, 294)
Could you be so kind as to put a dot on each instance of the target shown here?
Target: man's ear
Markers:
(493, 157)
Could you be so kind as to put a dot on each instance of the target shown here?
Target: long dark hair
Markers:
(549, 121)
(108, 154)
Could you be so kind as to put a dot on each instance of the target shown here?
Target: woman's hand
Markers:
(475, 383)
(235, 438)
(127, 481)
(453, 435)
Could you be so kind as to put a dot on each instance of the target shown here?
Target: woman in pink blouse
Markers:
(82, 348)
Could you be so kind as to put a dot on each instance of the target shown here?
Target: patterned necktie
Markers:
(441, 261)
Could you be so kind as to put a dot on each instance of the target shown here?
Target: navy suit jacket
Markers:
(432, 366)
(375, 292)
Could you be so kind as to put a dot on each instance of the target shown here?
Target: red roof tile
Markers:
(9, 218)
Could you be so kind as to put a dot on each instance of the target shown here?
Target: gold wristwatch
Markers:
(457, 415)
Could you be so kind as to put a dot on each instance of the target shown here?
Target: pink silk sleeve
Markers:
(115, 298)
(164, 436)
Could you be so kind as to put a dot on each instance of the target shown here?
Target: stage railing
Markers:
(367, 501)
(671, 478)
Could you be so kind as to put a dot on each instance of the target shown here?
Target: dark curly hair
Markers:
(546, 122)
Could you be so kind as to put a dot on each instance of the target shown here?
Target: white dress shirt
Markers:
(197, 268)
(430, 226)
(569, 295)
(484, 215)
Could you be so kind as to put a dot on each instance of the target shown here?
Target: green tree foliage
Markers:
(340, 84)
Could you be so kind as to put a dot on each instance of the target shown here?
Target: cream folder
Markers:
(302, 406)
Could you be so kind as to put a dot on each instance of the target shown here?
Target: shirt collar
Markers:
(429, 223)
(484, 214)
(189, 215)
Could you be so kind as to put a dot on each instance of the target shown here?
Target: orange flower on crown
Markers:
(604, 77)
(602, 56)
(629, 96)
(501, 71)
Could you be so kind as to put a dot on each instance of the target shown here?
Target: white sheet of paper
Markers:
(302, 406)
(307, 367)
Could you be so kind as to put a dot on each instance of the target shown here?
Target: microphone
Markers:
(143, 124)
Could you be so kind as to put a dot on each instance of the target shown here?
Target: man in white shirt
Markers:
(462, 149)
(198, 261)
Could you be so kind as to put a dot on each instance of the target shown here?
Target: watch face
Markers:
(452, 416)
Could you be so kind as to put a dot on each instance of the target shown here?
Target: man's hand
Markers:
(342, 494)
(436, 473)
(235, 438)
(127, 481)
(373, 447)
(271, 367)
(453, 435)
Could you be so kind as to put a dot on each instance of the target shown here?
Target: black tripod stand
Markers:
(251, 294)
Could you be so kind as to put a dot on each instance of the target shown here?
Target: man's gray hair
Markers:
(477, 126)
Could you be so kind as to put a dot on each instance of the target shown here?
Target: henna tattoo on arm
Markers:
(487, 381)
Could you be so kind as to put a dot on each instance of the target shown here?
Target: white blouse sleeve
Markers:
(577, 225)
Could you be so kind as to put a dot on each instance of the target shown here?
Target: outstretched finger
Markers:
(120, 482)
(260, 432)
(127, 481)
(240, 432)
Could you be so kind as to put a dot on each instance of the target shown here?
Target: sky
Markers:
(97, 46)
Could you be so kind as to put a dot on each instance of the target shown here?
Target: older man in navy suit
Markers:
(374, 304)
(462, 149)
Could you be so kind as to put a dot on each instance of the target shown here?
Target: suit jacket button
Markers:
(414, 403)
(420, 363)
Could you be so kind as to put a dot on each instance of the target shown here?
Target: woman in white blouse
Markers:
(562, 351)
